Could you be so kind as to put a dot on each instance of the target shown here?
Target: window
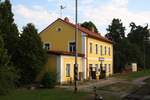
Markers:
(109, 51)
(90, 47)
(58, 29)
(72, 47)
(47, 46)
(109, 68)
(96, 66)
(67, 70)
(96, 49)
(101, 50)
(105, 67)
(105, 50)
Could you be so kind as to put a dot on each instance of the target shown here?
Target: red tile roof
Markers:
(88, 32)
(65, 53)
(82, 29)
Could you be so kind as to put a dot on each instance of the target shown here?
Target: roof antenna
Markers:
(61, 9)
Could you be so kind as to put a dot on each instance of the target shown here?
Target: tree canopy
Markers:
(33, 56)
(90, 25)
(116, 31)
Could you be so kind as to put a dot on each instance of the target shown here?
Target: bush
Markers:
(8, 78)
(49, 80)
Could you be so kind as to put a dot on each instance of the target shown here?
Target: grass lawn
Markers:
(134, 75)
(49, 94)
(119, 87)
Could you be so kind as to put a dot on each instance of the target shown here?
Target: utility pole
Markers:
(76, 45)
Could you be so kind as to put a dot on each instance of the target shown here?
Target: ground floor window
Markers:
(67, 70)
(96, 66)
(109, 68)
(105, 67)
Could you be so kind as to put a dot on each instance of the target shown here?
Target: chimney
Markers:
(93, 30)
(66, 19)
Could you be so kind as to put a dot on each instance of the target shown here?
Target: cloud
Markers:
(103, 15)
(36, 14)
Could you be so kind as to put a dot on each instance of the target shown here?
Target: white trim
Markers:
(84, 52)
(50, 45)
(62, 69)
(97, 58)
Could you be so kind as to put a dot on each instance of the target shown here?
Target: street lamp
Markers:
(76, 53)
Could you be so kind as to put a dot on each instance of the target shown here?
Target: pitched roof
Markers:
(88, 32)
(82, 29)
(65, 53)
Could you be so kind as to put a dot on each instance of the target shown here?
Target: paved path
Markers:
(88, 86)
(140, 81)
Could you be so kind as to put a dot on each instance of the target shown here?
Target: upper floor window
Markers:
(47, 46)
(96, 48)
(72, 46)
(101, 50)
(109, 51)
(105, 50)
(90, 47)
(58, 29)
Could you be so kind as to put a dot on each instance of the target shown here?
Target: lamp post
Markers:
(76, 45)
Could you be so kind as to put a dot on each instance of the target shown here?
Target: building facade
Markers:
(95, 53)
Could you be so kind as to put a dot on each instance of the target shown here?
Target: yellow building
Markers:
(93, 51)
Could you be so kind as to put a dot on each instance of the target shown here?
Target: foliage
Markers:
(49, 80)
(8, 74)
(116, 31)
(139, 36)
(8, 29)
(89, 25)
(31, 53)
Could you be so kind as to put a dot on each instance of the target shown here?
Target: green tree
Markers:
(116, 31)
(89, 25)
(8, 74)
(139, 36)
(31, 53)
(8, 28)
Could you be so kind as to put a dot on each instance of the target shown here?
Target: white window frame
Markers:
(68, 72)
(69, 45)
(44, 45)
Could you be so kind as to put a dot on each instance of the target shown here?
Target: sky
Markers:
(101, 12)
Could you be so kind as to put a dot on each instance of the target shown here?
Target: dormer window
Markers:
(72, 46)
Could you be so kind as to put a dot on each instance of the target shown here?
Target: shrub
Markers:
(49, 80)
(8, 77)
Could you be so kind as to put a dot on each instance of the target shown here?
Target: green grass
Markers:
(134, 75)
(53, 94)
(119, 87)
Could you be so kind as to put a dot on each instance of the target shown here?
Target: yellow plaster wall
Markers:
(93, 58)
(60, 40)
(70, 60)
(50, 66)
